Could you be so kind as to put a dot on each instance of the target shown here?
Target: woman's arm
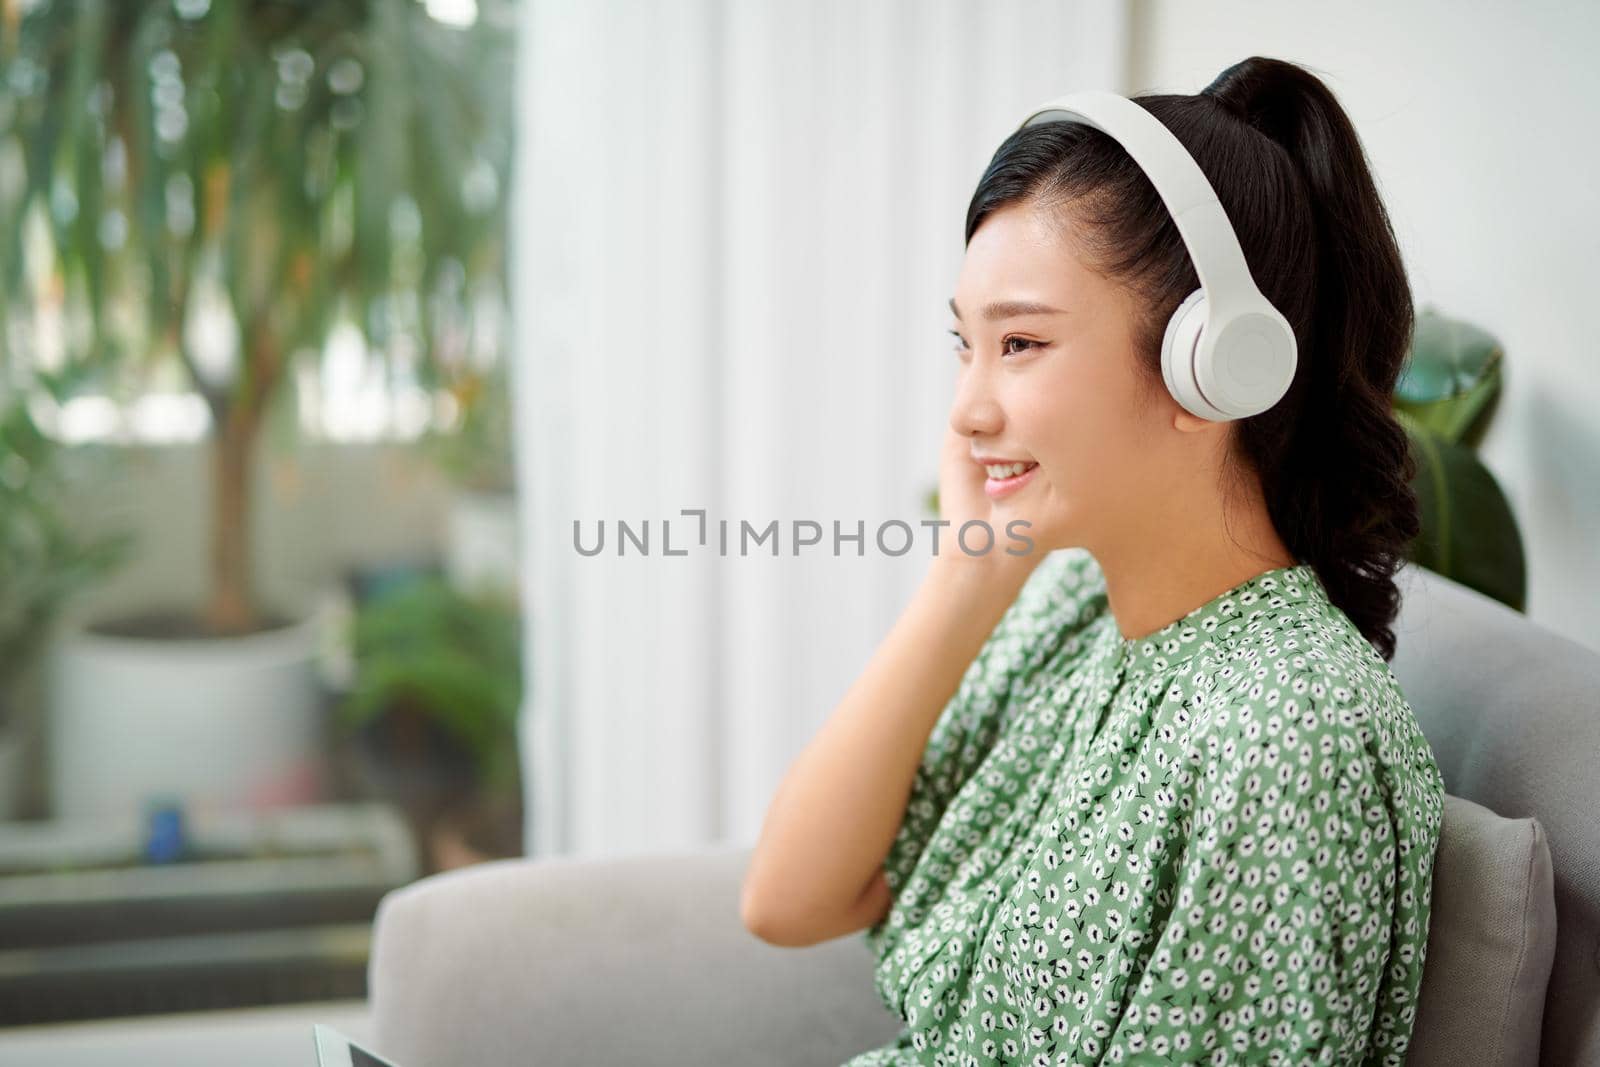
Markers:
(816, 872)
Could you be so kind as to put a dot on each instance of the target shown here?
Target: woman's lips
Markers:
(1003, 487)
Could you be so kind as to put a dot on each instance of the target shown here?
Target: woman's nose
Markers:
(975, 410)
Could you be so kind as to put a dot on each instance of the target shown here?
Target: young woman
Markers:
(1151, 792)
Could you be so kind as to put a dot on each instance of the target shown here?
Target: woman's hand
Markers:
(817, 871)
(961, 495)
(962, 500)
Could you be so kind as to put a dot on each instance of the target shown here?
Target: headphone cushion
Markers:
(1178, 346)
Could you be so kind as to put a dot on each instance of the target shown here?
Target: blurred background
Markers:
(323, 323)
(259, 614)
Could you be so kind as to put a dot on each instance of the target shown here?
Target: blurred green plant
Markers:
(45, 557)
(221, 182)
(455, 657)
(476, 453)
(1444, 399)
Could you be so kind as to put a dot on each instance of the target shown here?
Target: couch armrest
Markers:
(637, 959)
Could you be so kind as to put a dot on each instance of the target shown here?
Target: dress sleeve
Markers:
(973, 720)
(1292, 929)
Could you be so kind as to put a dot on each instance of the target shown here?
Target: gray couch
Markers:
(644, 960)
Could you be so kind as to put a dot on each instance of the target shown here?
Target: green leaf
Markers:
(1468, 533)
(1450, 378)
(454, 656)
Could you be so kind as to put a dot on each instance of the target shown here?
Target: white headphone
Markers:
(1228, 353)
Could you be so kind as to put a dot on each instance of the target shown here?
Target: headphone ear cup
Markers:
(1178, 348)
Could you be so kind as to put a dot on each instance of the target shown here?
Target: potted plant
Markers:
(1445, 398)
(45, 559)
(215, 187)
(431, 712)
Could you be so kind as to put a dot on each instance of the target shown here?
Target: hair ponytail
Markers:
(1334, 464)
(1340, 495)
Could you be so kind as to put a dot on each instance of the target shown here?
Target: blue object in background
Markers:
(164, 841)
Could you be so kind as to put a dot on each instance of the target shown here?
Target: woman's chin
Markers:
(1019, 523)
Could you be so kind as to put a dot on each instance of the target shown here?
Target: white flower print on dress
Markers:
(1213, 844)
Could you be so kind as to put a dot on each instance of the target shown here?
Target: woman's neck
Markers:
(1150, 583)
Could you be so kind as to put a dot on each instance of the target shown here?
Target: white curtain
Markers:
(736, 228)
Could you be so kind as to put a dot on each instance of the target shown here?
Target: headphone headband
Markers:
(1183, 186)
(1257, 347)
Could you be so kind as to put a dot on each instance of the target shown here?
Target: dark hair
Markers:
(1334, 464)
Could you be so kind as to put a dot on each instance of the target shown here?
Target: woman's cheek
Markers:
(1081, 479)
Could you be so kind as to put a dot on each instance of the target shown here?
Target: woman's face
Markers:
(1062, 388)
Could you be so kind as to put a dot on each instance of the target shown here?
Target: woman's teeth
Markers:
(1008, 470)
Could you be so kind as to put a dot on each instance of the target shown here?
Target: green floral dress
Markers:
(1210, 845)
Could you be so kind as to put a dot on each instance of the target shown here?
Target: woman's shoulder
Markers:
(1064, 593)
(1309, 679)
(1044, 624)
(1066, 582)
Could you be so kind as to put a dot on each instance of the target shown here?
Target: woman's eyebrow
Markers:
(1009, 309)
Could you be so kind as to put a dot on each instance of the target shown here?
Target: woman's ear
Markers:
(1185, 421)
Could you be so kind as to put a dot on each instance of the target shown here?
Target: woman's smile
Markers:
(1006, 478)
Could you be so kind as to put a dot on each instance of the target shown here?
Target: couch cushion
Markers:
(1491, 940)
(1509, 708)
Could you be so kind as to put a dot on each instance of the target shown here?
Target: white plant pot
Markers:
(481, 540)
(219, 723)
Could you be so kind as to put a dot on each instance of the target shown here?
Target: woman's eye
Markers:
(961, 344)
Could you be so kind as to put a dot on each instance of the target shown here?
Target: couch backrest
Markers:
(1512, 712)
